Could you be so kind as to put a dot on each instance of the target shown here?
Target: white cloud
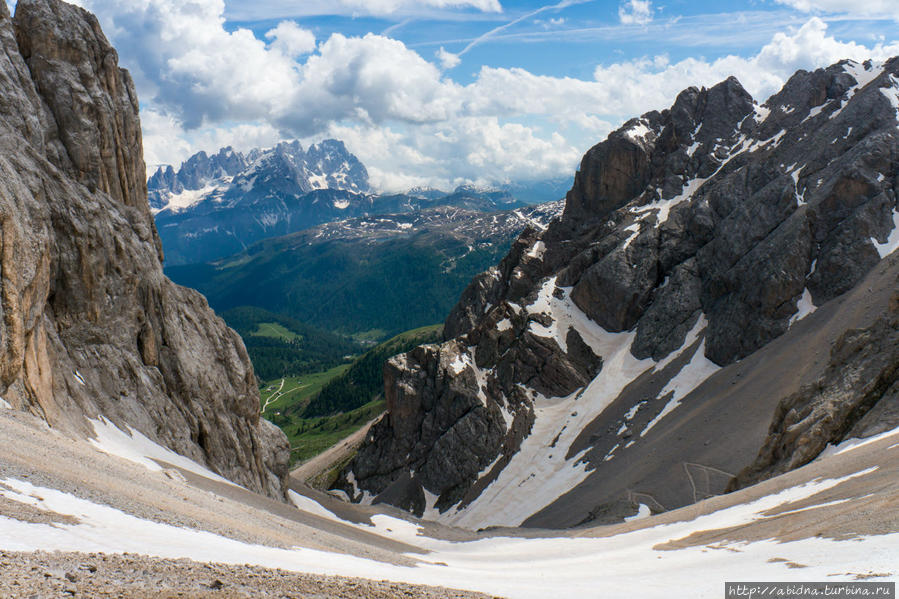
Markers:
(384, 7)
(203, 87)
(291, 39)
(643, 84)
(472, 149)
(856, 7)
(448, 60)
(260, 10)
(635, 12)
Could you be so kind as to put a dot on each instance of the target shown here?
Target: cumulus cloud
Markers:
(447, 59)
(291, 39)
(647, 83)
(857, 7)
(203, 87)
(481, 150)
(635, 12)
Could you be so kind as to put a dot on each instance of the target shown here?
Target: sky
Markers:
(444, 92)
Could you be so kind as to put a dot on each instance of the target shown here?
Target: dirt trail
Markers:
(325, 460)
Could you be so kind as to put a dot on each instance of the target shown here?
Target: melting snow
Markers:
(852, 444)
(187, 198)
(318, 181)
(539, 473)
(892, 242)
(310, 505)
(458, 365)
(642, 512)
(804, 306)
(689, 378)
(135, 447)
(566, 567)
(664, 206)
(537, 250)
(638, 132)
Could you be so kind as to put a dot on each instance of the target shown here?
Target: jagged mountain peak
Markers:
(665, 320)
(285, 168)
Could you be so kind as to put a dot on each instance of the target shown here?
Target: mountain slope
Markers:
(390, 273)
(637, 350)
(92, 331)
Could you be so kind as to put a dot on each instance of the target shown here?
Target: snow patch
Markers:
(663, 207)
(537, 251)
(689, 378)
(503, 566)
(78, 377)
(804, 306)
(458, 365)
(642, 512)
(344, 204)
(135, 447)
(852, 444)
(892, 242)
(539, 473)
(178, 202)
(311, 506)
(638, 132)
(5, 404)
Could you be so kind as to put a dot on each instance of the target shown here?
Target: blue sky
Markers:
(440, 92)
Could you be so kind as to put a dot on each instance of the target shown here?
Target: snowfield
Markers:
(512, 567)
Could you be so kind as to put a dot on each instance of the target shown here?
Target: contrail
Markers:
(489, 34)
(387, 32)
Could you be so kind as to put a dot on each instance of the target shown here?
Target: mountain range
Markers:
(716, 305)
(215, 206)
(695, 365)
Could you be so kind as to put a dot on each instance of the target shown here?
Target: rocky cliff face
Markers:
(637, 351)
(90, 327)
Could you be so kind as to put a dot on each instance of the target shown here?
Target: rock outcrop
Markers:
(637, 349)
(90, 326)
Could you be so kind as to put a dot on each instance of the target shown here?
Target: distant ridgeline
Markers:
(217, 205)
(376, 275)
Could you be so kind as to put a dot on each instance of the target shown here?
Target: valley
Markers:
(260, 375)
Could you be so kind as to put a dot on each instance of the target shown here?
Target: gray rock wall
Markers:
(716, 208)
(90, 327)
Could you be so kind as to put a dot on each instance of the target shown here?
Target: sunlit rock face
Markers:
(669, 337)
(90, 327)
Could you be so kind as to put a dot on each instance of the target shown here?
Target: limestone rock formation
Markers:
(90, 326)
(636, 351)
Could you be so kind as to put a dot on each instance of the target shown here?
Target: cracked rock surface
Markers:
(89, 325)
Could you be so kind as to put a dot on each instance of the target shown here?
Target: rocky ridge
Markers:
(91, 328)
(615, 359)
